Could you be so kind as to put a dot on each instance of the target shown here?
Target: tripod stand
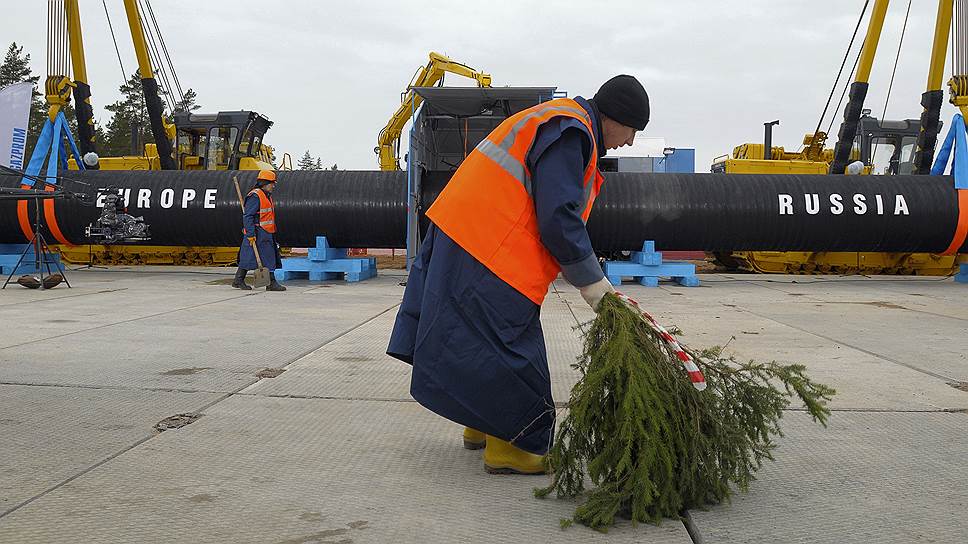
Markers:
(90, 260)
(42, 258)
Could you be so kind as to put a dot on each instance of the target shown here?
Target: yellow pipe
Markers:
(867, 53)
(942, 28)
(76, 40)
(138, 38)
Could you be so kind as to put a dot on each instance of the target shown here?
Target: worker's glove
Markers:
(594, 292)
(251, 239)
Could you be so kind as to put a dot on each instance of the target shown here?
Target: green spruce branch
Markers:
(651, 444)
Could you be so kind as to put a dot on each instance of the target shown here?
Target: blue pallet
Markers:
(10, 254)
(647, 267)
(962, 275)
(326, 263)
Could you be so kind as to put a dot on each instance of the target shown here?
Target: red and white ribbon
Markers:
(695, 375)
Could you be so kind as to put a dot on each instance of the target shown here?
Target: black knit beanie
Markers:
(623, 99)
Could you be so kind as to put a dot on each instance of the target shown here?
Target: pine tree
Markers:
(188, 102)
(306, 162)
(16, 69)
(648, 441)
(129, 117)
(334, 167)
(319, 164)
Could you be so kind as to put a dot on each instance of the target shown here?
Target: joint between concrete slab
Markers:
(851, 346)
(127, 321)
(324, 397)
(37, 300)
(76, 476)
(199, 410)
(110, 387)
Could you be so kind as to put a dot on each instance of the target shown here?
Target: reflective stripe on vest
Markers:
(267, 214)
(487, 208)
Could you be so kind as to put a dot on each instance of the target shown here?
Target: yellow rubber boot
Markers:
(500, 457)
(473, 439)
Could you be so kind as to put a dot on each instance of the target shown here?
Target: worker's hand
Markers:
(594, 292)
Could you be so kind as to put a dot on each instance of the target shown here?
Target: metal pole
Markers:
(768, 139)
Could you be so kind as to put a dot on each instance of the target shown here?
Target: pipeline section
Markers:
(713, 212)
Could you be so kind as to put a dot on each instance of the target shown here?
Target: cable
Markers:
(953, 34)
(124, 74)
(164, 48)
(161, 74)
(960, 37)
(840, 72)
(958, 28)
(893, 73)
(846, 87)
(896, 59)
(11, 172)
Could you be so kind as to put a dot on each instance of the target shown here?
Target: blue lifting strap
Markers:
(956, 141)
(50, 142)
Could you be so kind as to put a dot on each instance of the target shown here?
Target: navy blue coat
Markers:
(475, 342)
(268, 249)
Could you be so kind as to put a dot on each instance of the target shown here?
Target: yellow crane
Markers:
(432, 74)
(911, 143)
(227, 140)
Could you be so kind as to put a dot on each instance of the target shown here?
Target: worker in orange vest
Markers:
(510, 220)
(259, 227)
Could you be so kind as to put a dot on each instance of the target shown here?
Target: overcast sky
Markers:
(329, 74)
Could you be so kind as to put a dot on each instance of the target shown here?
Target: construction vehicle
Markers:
(884, 147)
(227, 140)
(388, 143)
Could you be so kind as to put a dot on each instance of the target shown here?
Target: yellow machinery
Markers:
(427, 76)
(909, 148)
(228, 140)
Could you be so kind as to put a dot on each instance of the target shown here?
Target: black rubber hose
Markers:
(848, 129)
(928, 135)
(155, 116)
(85, 118)
(713, 212)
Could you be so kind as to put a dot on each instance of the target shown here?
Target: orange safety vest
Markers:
(487, 207)
(267, 214)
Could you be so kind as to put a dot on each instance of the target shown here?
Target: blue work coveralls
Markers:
(475, 342)
(266, 241)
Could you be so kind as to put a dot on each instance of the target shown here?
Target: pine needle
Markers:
(648, 441)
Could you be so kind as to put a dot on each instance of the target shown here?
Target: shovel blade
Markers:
(262, 277)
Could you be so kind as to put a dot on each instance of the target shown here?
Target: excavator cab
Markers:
(227, 140)
(887, 146)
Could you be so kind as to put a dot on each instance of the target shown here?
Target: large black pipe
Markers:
(714, 212)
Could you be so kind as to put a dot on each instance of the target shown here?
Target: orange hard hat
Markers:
(267, 175)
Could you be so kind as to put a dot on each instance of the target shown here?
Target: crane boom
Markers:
(161, 129)
(427, 76)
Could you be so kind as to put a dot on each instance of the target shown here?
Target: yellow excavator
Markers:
(904, 147)
(388, 143)
(227, 140)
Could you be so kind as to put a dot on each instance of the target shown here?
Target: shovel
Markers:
(262, 275)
